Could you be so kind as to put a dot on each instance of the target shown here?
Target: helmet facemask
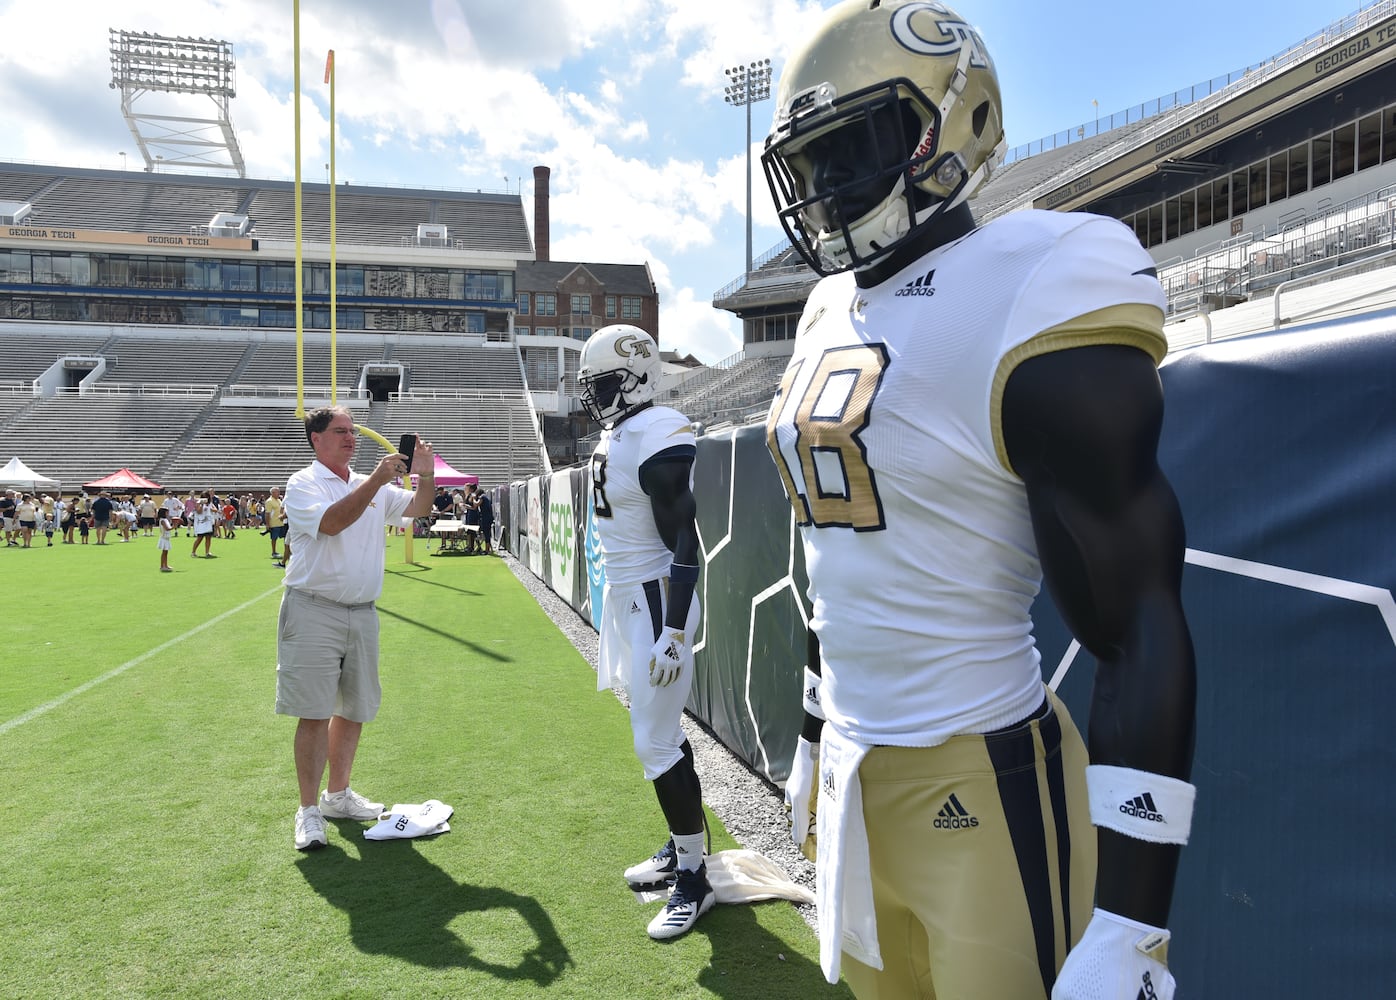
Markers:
(604, 394)
(859, 178)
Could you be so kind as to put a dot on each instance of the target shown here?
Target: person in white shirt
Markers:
(163, 544)
(146, 512)
(971, 411)
(204, 520)
(27, 518)
(327, 635)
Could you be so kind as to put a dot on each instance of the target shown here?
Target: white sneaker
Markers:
(348, 804)
(310, 829)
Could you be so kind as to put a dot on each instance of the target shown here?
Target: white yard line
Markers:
(34, 713)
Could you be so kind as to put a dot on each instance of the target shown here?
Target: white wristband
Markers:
(1139, 804)
(812, 705)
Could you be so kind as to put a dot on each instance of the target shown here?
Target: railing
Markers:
(1367, 263)
(451, 394)
(765, 258)
(356, 395)
(1188, 96)
(192, 390)
(1254, 262)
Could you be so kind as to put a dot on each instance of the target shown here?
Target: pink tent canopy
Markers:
(122, 479)
(447, 476)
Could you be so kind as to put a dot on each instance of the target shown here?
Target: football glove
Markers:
(1116, 958)
(669, 657)
(802, 796)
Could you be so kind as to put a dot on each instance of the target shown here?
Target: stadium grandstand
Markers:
(1266, 195)
(148, 321)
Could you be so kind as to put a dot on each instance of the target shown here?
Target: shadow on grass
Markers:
(489, 653)
(400, 904)
(750, 961)
(444, 586)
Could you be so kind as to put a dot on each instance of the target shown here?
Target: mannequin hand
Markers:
(669, 656)
(1116, 958)
(801, 796)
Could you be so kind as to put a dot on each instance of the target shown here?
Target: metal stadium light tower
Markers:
(750, 83)
(142, 63)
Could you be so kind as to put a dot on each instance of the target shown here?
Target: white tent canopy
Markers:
(17, 475)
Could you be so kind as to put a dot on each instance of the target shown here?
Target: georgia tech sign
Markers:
(61, 234)
(1301, 81)
(954, 33)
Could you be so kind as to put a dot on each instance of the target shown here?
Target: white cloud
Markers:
(692, 326)
(461, 93)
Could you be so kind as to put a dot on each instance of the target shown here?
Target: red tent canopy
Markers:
(121, 479)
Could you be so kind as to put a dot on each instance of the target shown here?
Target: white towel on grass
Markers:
(746, 876)
(404, 822)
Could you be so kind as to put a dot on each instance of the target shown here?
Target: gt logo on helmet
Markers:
(632, 347)
(956, 33)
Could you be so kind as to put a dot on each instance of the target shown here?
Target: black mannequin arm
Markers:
(813, 725)
(664, 478)
(1081, 428)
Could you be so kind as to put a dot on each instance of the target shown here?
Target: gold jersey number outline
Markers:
(828, 417)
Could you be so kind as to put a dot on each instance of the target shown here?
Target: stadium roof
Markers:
(621, 279)
(136, 201)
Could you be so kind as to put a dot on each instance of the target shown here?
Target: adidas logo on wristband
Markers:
(1142, 807)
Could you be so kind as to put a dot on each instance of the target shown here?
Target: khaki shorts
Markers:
(983, 861)
(326, 659)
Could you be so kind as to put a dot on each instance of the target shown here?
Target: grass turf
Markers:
(151, 792)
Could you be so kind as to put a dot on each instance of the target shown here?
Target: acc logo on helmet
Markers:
(956, 33)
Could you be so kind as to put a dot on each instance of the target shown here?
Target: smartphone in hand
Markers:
(407, 447)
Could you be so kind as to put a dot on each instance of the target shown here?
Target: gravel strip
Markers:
(750, 807)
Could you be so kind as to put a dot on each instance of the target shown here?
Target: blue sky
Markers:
(622, 99)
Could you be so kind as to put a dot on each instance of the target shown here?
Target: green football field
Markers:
(150, 794)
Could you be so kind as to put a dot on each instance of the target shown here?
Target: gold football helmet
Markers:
(886, 117)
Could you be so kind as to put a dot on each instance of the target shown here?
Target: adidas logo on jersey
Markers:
(1142, 807)
(1147, 991)
(953, 816)
(921, 286)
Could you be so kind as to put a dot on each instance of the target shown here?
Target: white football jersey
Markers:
(631, 547)
(920, 553)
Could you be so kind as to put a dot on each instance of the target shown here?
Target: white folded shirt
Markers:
(404, 822)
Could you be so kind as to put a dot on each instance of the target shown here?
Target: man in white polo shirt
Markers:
(327, 636)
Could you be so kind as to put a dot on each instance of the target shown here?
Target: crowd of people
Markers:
(473, 508)
(32, 519)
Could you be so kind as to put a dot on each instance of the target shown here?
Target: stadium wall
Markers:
(1282, 448)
